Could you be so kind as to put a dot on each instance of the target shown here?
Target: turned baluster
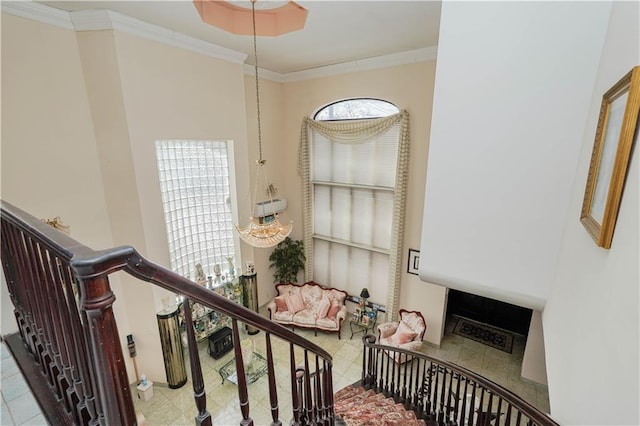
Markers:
(295, 397)
(442, 373)
(462, 420)
(487, 415)
(411, 390)
(273, 394)
(329, 393)
(203, 417)
(243, 393)
(393, 372)
(507, 420)
(377, 370)
(499, 409)
(307, 388)
(448, 404)
(481, 405)
(419, 391)
(518, 418)
(318, 411)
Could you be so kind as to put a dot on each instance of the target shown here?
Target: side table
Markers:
(361, 327)
(256, 369)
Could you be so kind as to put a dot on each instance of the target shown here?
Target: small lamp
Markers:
(364, 295)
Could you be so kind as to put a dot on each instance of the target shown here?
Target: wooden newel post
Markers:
(96, 301)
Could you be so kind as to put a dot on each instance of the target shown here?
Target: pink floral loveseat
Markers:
(309, 305)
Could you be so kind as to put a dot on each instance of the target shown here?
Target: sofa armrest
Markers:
(341, 315)
(271, 307)
(387, 329)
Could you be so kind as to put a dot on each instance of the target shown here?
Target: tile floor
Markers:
(19, 407)
(176, 406)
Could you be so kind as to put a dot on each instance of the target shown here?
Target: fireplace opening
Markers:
(489, 311)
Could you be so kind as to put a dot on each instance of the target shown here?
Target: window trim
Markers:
(329, 105)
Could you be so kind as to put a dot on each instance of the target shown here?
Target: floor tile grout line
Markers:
(346, 351)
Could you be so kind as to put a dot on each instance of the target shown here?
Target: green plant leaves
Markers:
(287, 259)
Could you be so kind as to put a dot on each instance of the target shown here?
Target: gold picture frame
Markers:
(610, 158)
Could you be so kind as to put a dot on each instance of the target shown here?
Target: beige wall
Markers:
(46, 128)
(107, 96)
(409, 87)
(50, 159)
(171, 93)
(92, 146)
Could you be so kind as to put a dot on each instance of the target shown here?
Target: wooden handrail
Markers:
(63, 306)
(80, 352)
(438, 389)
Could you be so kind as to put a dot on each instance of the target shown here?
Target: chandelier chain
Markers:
(255, 55)
(261, 231)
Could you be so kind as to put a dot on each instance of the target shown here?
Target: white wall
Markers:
(591, 321)
(513, 83)
(534, 366)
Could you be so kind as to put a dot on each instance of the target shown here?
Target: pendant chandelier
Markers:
(263, 230)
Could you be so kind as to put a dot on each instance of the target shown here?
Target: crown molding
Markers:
(94, 20)
(395, 59)
(266, 74)
(97, 20)
(38, 12)
(402, 58)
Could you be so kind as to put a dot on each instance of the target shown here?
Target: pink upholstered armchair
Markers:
(405, 334)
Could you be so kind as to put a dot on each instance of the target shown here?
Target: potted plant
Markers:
(288, 259)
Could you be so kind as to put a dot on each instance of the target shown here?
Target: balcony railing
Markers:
(443, 393)
(63, 306)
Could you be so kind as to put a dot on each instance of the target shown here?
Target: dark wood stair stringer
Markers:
(52, 409)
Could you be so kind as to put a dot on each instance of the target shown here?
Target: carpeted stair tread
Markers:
(358, 406)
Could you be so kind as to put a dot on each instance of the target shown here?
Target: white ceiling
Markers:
(335, 32)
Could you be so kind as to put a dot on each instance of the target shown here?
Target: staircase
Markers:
(359, 406)
(69, 349)
(68, 334)
(427, 391)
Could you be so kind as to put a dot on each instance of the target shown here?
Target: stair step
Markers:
(358, 406)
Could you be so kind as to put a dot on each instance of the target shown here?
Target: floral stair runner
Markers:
(358, 406)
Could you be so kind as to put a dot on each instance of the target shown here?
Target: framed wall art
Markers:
(414, 259)
(615, 134)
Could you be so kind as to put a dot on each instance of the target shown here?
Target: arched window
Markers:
(353, 162)
(356, 109)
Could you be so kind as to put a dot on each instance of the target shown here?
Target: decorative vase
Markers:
(232, 269)
(250, 268)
